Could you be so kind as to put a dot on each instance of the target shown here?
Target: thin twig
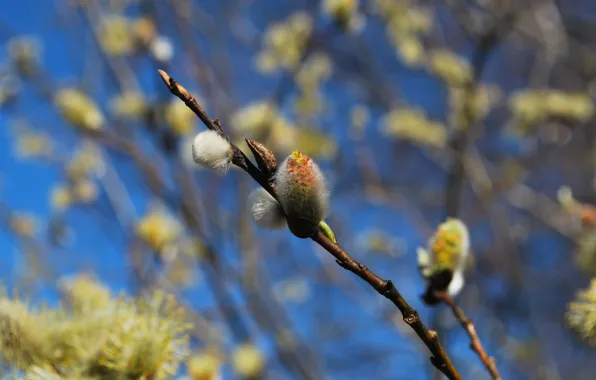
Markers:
(475, 343)
(386, 288)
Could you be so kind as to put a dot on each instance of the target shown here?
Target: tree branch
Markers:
(475, 343)
(386, 288)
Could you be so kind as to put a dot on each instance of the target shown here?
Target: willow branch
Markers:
(475, 342)
(384, 287)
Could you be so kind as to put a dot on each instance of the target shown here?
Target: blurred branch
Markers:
(384, 287)
(475, 343)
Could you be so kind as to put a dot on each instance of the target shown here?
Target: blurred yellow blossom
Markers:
(451, 68)
(84, 293)
(317, 68)
(248, 361)
(179, 118)
(411, 124)
(527, 106)
(144, 30)
(483, 100)
(344, 13)
(572, 106)
(149, 338)
(86, 162)
(80, 110)
(410, 49)
(530, 106)
(158, 228)
(60, 197)
(118, 337)
(204, 365)
(115, 35)
(314, 143)
(581, 313)
(585, 250)
(33, 144)
(84, 190)
(284, 43)
(23, 225)
(129, 105)
(257, 119)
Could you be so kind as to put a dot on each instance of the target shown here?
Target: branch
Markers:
(475, 343)
(386, 288)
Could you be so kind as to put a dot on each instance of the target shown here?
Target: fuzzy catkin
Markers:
(211, 150)
(265, 210)
(302, 192)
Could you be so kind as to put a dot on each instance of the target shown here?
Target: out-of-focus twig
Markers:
(475, 343)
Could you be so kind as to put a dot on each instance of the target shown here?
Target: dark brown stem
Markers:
(475, 343)
(386, 288)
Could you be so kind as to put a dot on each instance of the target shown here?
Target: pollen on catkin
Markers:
(211, 150)
(302, 192)
(448, 250)
(265, 210)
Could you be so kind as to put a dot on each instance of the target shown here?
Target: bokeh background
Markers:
(416, 110)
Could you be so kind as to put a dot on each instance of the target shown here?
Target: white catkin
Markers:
(265, 210)
(211, 150)
(309, 203)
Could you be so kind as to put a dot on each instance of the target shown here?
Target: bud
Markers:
(264, 157)
(443, 264)
(211, 150)
(265, 210)
(303, 194)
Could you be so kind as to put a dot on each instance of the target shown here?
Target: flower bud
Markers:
(264, 157)
(265, 210)
(303, 194)
(211, 150)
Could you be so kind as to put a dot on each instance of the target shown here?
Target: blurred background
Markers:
(416, 110)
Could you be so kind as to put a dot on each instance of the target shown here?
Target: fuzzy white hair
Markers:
(265, 210)
(211, 150)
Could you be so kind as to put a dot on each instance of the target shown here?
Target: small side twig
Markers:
(386, 288)
(475, 343)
